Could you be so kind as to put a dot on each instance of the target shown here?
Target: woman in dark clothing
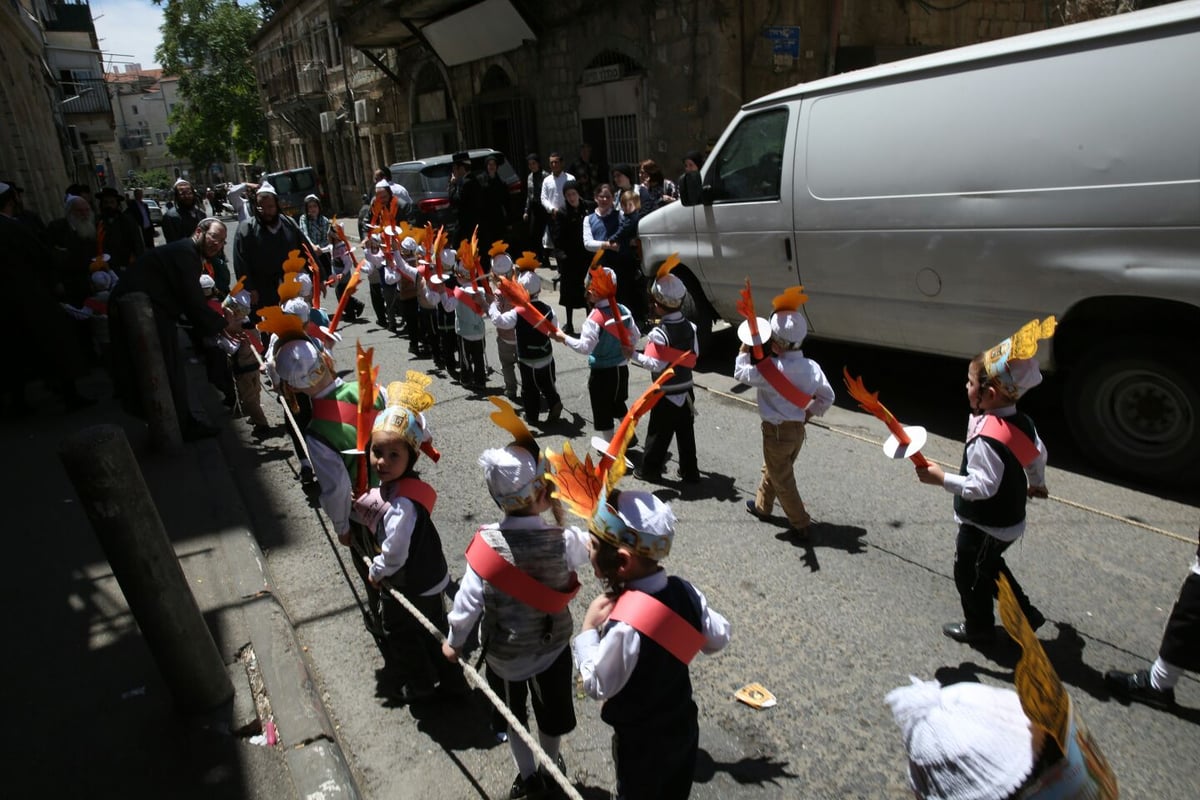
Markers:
(573, 268)
(535, 214)
(493, 206)
(660, 190)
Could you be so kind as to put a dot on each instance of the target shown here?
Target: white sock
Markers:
(1164, 675)
(549, 744)
(522, 755)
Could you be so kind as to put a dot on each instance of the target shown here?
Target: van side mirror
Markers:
(690, 191)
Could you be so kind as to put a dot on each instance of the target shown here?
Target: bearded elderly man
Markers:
(170, 277)
(74, 240)
(179, 222)
(261, 246)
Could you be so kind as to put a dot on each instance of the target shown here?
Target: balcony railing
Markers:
(85, 96)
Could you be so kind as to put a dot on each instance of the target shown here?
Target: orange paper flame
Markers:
(365, 419)
(745, 307)
(869, 402)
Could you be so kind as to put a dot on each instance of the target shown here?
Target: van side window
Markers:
(749, 165)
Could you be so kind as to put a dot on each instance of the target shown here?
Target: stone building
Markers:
(143, 100)
(32, 130)
(352, 85)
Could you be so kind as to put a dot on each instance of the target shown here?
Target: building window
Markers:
(135, 110)
(158, 138)
(621, 135)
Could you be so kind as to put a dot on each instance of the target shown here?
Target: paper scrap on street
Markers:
(755, 695)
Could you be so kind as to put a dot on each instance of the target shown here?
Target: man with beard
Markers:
(139, 213)
(261, 246)
(74, 239)
(122, 241)
(180, 221)
(170, 277)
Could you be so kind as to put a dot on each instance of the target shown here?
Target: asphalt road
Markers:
(830, 625)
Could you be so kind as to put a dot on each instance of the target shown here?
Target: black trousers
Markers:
(538, 388)
(553, 707)
(668, 420)
(608, 389)
(412, 653)
(656, 762)
(407, 307)
(377, 303)
(1181, 640)
(978, 562)
(473, 370)
(389, 305)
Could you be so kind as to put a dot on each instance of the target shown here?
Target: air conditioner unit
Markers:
(328, 121)
(364, 111)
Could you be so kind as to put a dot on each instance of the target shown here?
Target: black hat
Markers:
(109, 191)
(695, 156)
(462, 158)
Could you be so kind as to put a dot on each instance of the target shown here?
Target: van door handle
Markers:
(787, 248)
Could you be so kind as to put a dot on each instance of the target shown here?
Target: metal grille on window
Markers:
(621, 133)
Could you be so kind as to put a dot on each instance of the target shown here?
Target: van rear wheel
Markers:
(1135, 407)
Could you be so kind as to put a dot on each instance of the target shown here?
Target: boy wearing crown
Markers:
(521, 576)
(241, 348)
(506, 338)
(673, 342)
(791, 390)
(1004, 464)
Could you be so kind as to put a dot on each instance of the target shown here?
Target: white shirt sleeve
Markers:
(590, 243)
(398, 523)
(589, 335)
(822, 395)
(549, 187)
(505, 320)
(334, 481)
(468, 606)
(984, 471)
(577, 548)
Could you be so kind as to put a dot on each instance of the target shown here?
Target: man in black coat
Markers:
(261, 246)
(122, 240)
(170, 276)
(137, 210)
(466, 197)
(179, 221)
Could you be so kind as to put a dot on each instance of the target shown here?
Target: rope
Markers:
(1189, 540)
(476, 680)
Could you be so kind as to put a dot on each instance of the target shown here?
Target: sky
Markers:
(128, 27)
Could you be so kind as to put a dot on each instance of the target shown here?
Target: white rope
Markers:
(1189, 540)
(476, 680)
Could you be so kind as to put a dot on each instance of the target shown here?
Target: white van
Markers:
(937, 204)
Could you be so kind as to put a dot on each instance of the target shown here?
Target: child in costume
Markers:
(521, 577)
(373, 258)
(468, 300)
(791, 390)
(443, 312)
(399, 535)
(506, 338)
(1004, 464)
(535, 353)
(243, 361)
(638, 638)
(216, 348)
(608, 351)
(406, 290)
(672, 341)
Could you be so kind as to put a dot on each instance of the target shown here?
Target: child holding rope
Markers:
(521, 576)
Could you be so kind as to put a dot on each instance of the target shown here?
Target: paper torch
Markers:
(906, 441)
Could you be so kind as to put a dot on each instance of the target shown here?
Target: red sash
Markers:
(329, 410)
(651, 617)
(662, 352)
(514, 582)
(779, 382)
(416, 490)
(1011, 437)
(467, 300)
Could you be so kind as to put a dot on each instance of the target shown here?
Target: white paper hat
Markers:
(641, 522)
(106, 279)
(297, 307)
(266, 188)
(513, 476)
(299, 363)
(449, 257)
(502, 264)
(409, 245)
(790, 326)
(966, 741)
(530, 280)
(206, 281)
(305, 281)
(669, 291)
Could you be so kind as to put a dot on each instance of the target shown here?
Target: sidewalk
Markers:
(93, 715)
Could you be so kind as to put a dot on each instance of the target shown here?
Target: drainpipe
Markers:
(835, 33)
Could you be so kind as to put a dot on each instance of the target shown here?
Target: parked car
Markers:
(155, 211)
(937, 204)
(428, 181)
(292, 186)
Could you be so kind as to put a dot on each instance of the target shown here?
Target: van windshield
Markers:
(749, 165)
(293, 182)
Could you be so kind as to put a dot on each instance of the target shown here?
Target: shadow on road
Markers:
(758, 771)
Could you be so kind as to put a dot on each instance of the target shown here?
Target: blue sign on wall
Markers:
(785, 39)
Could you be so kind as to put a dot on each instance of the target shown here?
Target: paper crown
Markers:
(528, 261)
(1012, 362)
(294, 262)
(407, 401)
(300, 362)
(668, 290)
(787, 321)
(291, 287)
(531, 281)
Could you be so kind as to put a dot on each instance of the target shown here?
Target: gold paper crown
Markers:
(412, 392)
(499, 246)
(791, 299)
(290, 288)
(294, 262)
(507, 419)
(286, 326)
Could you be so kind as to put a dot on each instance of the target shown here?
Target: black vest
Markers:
(682, 336)
(533, 345)
(1007, 506)
(659, 692)
(426, 564)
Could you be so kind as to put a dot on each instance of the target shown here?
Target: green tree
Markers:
(207, 44)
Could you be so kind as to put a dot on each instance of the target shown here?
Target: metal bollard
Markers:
(153, 381)
(106, 476)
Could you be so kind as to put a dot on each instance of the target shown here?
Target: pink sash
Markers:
(650, 617)
(513, 581)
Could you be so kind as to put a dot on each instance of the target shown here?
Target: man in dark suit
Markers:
(139, 212)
